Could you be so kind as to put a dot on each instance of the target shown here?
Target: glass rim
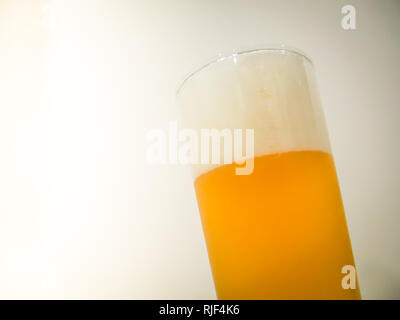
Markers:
(283, 49)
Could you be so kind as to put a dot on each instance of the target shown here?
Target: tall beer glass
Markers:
(279, 232)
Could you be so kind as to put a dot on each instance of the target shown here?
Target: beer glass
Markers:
(278, 232)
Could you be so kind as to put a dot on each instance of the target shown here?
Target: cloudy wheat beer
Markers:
(279, 232)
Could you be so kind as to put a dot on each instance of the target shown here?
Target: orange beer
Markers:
(279, 232)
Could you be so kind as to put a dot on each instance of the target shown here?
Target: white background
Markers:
(82, 215)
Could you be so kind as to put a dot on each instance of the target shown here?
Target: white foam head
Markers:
(272, 91)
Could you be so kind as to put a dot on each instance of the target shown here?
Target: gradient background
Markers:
(82, 215)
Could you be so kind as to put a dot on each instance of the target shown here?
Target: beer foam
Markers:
(272, 91)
